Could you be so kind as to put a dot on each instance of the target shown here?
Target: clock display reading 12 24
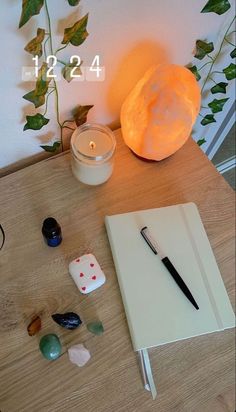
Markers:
(91, 73)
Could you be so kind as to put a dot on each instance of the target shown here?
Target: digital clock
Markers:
(94, 72)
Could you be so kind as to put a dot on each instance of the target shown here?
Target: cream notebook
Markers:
(157, 311)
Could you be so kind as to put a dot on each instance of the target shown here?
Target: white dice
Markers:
(86, 273)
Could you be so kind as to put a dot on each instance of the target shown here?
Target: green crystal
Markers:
(50, 346)
(96, 328)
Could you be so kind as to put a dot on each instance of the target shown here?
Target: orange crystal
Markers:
(158, 115)
(34, 326)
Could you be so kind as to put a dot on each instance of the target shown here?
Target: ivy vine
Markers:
(206, 52)
(77, 34)
(42, 46)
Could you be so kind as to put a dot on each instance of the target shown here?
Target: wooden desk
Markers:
(193, 375)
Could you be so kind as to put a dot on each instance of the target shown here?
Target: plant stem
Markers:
(46, 107)
(210, 57)
(216, 72)
(58, 116)
(49, 26)
(67, 127)
(44, 48)
(200, 68)
(231, 33)
(54, 82)
(61, 48)
(67, 121)
(229, 42)
(215, 58)
(212, 80)
(61, 61)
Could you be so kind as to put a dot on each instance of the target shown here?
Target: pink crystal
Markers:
(79, 355)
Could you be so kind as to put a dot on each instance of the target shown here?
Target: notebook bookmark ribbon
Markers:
(143, 370)
(148, 373)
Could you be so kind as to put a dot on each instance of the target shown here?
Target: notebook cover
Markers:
(156, 309)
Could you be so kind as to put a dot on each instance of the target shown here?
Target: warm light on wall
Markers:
(158, 115)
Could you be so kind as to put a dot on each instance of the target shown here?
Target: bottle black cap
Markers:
(51, 227)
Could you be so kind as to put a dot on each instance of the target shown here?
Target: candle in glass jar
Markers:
(92, 153)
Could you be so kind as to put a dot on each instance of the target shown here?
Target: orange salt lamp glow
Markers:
(158, 115)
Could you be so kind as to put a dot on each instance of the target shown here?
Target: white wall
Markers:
(129, 35)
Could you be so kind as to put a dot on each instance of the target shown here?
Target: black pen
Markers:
(167, 263)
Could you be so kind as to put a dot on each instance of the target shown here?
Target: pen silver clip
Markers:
(151, 242)
(144, 233)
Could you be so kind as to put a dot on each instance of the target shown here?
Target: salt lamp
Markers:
(158, 115)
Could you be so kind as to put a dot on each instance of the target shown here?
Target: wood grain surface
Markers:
(195, 375)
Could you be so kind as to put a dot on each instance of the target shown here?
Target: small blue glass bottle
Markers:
(51, 232)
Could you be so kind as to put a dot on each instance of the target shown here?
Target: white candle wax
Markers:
(92, 148)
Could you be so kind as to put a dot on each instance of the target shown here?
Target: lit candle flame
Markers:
(92, 145)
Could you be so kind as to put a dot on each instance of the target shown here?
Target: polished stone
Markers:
(79, 355)
(50, 346)
(96, 328)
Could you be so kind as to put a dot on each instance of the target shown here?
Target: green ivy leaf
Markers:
(30, 8)
(35, 99)
(42, 81)
(194, 70)
(219, 88)
(233, 53)
(34, 47)
(76, 34)
(80, 114)
(202, 49)
(96, 328)
(66, 71)
(35, 122)
(201, 142)
(216, 6)
(209, 118)
(37, 96)
(230, 71)
(217, 105)
(52, 148)
(73, 2)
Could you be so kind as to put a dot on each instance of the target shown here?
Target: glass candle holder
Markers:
(92, 153)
